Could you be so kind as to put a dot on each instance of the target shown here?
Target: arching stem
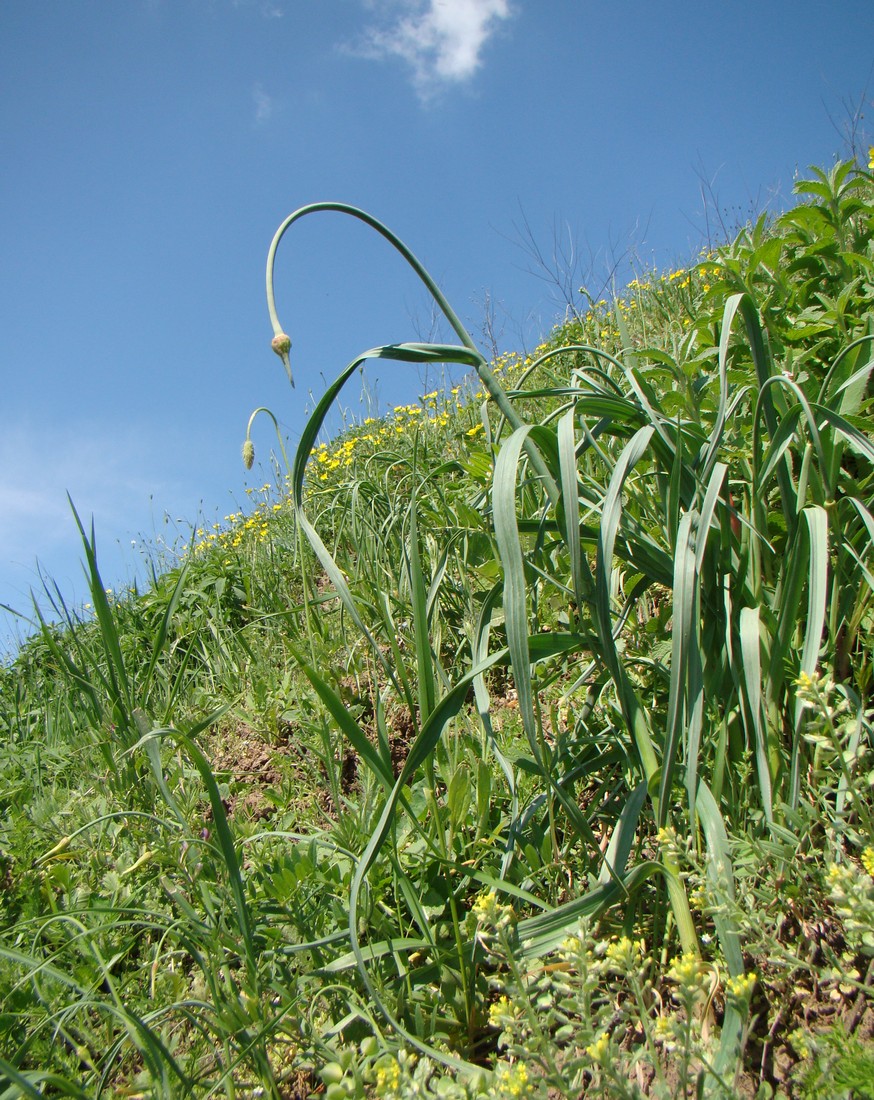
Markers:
(495, 391)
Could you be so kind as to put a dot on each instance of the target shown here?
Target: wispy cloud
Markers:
(39, 468)
(263, 104)
(115, 482)
(441, 40)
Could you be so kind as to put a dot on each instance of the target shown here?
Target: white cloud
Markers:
(441, 40)
(263, 104)
(111, 474)
(38, 468)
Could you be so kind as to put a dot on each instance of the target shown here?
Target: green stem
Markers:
(462, 969)
(680, 907)
(264, 409)
(521, 988)
(308, 596)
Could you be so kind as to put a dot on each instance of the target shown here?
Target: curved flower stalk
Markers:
(248, 450)
(248, 455)
(281, 342)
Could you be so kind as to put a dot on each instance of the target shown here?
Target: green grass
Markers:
(522, 745)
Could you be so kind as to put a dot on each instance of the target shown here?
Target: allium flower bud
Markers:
(248, 454)
(281, 344)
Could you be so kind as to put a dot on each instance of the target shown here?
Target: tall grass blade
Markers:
(754, 710)
(682, 642)
(774, 413)
(419, 600)
(622, 840)
(35, 1083)
(611, 513)
(479, 654)
(570, 499)
(116, 670)
(515, 591)
(817, 587)
(721, 876)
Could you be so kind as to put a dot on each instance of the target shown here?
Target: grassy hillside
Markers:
(522, 749)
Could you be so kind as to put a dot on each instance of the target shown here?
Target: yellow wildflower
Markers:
(501, 1012)
(511, 1081)
(490, 913)
(692, 976)
(665, 1033)
(741, 987)
(388, 1078)
(800, 1042)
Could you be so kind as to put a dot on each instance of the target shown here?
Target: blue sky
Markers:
(150, 148)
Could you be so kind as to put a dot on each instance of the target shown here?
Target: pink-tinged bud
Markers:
(248, 454)
(281, 344)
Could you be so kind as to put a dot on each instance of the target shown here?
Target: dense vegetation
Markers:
(523, 748)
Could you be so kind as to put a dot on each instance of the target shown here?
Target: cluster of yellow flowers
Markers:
(434, 411)
(490, 914)
(689, 971)
(741, 988)
(851, 891)
(597, 1050)
(511, 1081)
(625, 956)
(388, 1078)
(503, 1012)
(239, 528)
(598, 325)
(595, 987)
(329, 461)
